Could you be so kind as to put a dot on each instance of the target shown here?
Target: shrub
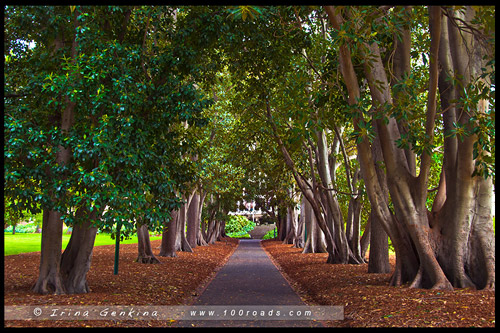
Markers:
(270, 234)
(238, 226)
(23, 228)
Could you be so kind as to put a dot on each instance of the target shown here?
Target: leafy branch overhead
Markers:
(362, 116)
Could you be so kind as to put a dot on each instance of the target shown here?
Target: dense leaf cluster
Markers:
(131, 72)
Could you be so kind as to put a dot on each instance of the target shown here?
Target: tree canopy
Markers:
(118, 114)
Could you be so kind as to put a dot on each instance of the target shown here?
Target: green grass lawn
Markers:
(25, 242)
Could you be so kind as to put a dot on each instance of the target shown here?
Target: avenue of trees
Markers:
(350, 126)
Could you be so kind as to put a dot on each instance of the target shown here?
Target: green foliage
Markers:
(238, 226)
(132, 73)
(169, 98)
(23, 228)
(271, 234)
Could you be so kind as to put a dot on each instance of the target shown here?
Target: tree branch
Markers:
(435, 30)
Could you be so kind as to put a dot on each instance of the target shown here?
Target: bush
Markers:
(23, 228)
(238, 226)
(270, 234)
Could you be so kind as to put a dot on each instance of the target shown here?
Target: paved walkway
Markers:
(259, 231)
(249, 278)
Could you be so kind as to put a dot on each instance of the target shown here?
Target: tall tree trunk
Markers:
(378, 261)
(354, 223)
(77, 257)
(212, 231)
(145, 252)
(200, 238)
(193, 222)
(315, 239)
(49, 280)
(407, 193)
(49, 277)
(221, 233)
(379, 244)
(212, 224)
(465, 217)
(281, 224)
(289, 227)
(295, 232)
(181, 242)
(169, 236)
(365, 238)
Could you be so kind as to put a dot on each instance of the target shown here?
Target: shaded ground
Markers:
(368, 300)
(173, 282)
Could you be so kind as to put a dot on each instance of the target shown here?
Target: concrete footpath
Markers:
(247, 284)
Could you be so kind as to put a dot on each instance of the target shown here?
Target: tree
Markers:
(315, 239)
(158, 118)
(120, 157)
(145, 255)
(454, 245)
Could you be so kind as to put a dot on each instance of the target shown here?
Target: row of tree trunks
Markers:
(174, 237)
(321, 196)
(453, 245)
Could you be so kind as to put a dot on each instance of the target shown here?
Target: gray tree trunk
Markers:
(77, 257)
(169, 236)
(145, 255)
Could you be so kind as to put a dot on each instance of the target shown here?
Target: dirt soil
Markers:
(175, 281)
(368, 299)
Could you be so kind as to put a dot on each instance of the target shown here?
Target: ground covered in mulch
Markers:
(369, 301)
(176, 281)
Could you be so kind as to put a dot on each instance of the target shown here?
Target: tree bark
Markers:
(200, 238)
(49, 277)
(354, 223)
(193, 222)
(365, 238)
(169, 236)
(379, 244)
(295, 232)
(315, 239)
(379, 248)
(77, 257)
(145, 252)
(281, 224)
(453, 245)
(181, 241)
